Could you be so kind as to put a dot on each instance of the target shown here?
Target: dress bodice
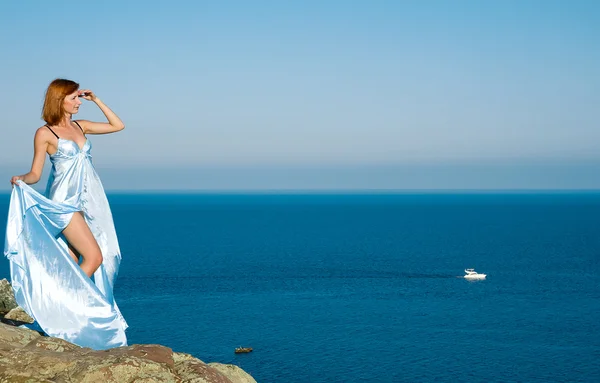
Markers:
(69, 149)
(72, 171)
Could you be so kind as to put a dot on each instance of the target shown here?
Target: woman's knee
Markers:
(96, 257)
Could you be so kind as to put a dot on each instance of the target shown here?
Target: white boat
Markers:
(472, 274)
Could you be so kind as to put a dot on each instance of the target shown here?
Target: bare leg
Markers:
(82, 240)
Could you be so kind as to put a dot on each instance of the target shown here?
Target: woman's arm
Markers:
(40, 146)
(114, 122)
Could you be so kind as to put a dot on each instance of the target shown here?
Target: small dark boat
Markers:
(243, 350)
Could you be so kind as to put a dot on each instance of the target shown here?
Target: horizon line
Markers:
(353, 191)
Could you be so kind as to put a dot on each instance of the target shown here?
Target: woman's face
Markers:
(71, 103)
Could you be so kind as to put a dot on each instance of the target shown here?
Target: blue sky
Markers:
(316, 94)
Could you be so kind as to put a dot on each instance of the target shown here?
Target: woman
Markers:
(77, 212)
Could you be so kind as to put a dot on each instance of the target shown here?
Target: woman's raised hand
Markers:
(87, 94)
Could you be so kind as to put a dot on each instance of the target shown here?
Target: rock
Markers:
(182, 356)
(150, 363)
(27, 356)
(19, 314)
(193, 370)
(233, 372)
(16, 337)
(51, 344)
(7, 297)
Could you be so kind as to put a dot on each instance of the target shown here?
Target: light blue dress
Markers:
(47, 283)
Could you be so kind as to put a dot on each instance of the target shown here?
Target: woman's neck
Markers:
(66, 120)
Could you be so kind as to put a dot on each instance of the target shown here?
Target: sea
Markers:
(365, 287)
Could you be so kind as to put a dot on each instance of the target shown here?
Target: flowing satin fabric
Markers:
(47, 283)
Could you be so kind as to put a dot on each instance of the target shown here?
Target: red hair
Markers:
(53, 110)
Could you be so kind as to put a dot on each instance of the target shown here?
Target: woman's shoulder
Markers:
(81, 123)
(43, 133)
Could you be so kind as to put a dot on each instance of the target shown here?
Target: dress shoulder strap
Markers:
(51, 130)
(79, 126)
